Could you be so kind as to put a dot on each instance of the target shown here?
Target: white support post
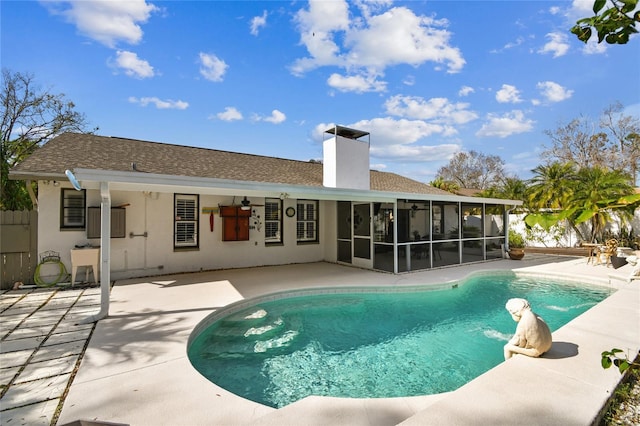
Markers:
(105, 251)
(395, 236)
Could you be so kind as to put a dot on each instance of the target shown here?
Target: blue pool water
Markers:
(375, 344)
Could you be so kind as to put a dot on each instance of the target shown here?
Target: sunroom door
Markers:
(362, 248)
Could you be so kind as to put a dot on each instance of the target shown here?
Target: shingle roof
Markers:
(75, 150)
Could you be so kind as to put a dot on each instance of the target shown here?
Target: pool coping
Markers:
(125, 378)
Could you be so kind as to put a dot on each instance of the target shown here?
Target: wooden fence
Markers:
(18, 247)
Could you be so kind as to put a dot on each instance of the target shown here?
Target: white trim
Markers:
(128, 181)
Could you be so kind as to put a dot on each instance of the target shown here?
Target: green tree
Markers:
(597, 196)
(511, 188)
(613, 24)
(440, 183)
(551, 186)
(593, 195)
(30, 117)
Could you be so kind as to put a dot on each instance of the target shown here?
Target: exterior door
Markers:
(361, 224)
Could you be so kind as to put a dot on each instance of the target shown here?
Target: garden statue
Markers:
(533, 337)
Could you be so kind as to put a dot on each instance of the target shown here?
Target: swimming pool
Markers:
(373, 342)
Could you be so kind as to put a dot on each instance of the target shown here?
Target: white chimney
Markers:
(346, 159)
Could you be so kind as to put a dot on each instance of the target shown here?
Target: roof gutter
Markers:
(125, 180)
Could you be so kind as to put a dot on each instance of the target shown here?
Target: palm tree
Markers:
(597, 193)
(445, 185)
(590, 194)
(551, 186)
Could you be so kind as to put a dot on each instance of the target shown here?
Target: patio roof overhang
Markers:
(140, 181)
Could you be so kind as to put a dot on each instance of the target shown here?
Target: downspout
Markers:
(105, 250)
(32, 195)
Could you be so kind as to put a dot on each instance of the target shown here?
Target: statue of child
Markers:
(533, 337)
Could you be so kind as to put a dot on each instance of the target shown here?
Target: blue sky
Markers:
(426, 78)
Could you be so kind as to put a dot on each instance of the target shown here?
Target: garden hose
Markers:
(49, 258)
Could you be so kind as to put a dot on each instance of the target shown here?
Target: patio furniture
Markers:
(605, 252)
(593, 251)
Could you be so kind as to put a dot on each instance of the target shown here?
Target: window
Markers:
(72, 209)
(273, 221)
(185, 229)
(307, 224)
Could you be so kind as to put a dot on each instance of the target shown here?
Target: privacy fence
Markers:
(18, 247)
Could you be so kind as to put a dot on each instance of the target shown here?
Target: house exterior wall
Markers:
(152, 212)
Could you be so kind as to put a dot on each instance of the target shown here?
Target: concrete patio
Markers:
(135, 369)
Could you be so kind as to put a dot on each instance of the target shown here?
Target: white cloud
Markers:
(160, 104)
(379, 166)
(389, 131)
(508, 94)
(579, 9)
(513, 44)
(107, 22)
(592, 47)
(258, 22)
(554, 10)
(211, 67)
(557, 44)
(276, 117)
(356, 83)
(465, 91)
(437, 110)
(507, 125)
(415, 153)
(229, 114)
(316, 26)
(553, 92)
(409, 80)
(366, 45)
(132, 65)
(398, 140)
(398, 36)
(509, 45)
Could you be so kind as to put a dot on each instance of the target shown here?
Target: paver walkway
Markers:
(41, 347)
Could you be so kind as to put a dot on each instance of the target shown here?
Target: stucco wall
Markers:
(155, 254)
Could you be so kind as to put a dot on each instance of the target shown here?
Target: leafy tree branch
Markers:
(613, 24)
(30, 117)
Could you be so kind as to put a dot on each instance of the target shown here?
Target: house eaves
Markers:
(136, 181)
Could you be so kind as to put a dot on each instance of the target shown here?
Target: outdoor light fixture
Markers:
(246, 205)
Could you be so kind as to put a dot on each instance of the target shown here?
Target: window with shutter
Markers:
(185, 221)
(273, 221)
(307, 221)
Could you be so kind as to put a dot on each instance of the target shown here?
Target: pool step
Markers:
(254, 328)
(277, 342)
(256, 332)
(257, 314)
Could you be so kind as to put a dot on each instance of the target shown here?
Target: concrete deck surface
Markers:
(135, 369)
